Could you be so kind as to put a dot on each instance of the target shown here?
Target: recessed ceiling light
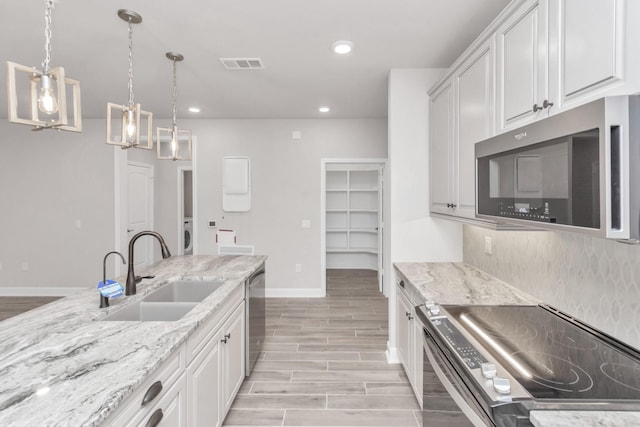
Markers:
(194, 109)
(324, 109)
(342, 47)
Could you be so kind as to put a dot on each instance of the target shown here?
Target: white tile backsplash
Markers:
(595, 280)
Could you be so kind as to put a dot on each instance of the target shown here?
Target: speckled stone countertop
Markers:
(584, 419)
(88, 366)
(458, 283)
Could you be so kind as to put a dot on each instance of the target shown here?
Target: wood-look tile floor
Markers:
(12, 306)
(324, 362)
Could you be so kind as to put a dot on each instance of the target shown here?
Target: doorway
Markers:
(352, 216)
(185, 210)
(140, 205)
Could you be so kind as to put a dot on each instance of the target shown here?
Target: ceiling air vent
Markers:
(242, 63)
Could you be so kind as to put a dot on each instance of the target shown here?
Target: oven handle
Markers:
(468, 405)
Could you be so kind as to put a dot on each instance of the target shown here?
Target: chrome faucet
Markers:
(132, 279)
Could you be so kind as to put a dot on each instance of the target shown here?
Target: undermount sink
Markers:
(184, 291)
(169, 303)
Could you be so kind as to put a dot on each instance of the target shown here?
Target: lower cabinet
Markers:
(196, 386)
(409, 335)
(216, 373)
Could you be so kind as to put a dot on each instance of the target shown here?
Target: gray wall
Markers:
(50, 180)
(595, 280)
(285, 186)
(50, 183)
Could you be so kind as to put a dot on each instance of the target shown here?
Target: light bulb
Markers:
(174, 143)
(47, 102)
(130, 126)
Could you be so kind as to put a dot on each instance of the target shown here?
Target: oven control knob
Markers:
(501, 385)
(434, 309)
(488, 370)
(429, 303)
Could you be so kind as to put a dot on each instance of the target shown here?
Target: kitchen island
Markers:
(60, 365)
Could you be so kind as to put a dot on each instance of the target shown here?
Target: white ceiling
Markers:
(293, 38)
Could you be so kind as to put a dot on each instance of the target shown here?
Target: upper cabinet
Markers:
(556, 54)
(536, 59)
(460, 114)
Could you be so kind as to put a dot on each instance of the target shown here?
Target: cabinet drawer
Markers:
(203, 334)
(170, 410)
(134, 410)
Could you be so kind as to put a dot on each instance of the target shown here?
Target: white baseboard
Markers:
(38, 291)
(392, 354)
(293, 293)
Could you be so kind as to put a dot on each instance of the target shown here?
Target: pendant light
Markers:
(127, 125)
(174, 144)
(39, 97)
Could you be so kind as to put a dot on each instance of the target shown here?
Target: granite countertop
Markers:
(584, 418)
(458, 283)
(88, 366)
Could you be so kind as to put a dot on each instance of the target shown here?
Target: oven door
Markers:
(469, 411)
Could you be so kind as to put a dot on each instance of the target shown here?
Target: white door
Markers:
(140, 210)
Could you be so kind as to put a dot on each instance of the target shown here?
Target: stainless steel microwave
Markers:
(576, 171)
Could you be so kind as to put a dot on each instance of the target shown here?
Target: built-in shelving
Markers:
(352, 203)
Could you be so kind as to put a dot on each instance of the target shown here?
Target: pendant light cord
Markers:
(47, 35)
(175, 68)
(130, 65)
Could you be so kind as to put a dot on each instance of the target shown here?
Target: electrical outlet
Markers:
(296, 134)
(488, 248)
(306, 223)
(298, 268)
(25, 266)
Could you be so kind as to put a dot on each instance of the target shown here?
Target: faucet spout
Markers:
(132, 280)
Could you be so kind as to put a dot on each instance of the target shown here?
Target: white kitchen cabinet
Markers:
(203, 383)
(441, 148)
(352, 216)
(171, 409)
(553, 55)
(409, 337)
(232, 357)
(460, 115)
(216, 372)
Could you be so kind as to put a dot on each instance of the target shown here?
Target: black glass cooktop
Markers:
(551, 356)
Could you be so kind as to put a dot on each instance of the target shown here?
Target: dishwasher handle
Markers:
(252, 279)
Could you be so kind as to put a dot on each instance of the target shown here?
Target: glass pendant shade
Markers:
(39, 97)
(173, 143)
(128, 125)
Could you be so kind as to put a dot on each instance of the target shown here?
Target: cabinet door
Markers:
(473, 124)
(403, 325)
(588, 34)
(441, 149)
(522, 66)
(203, 382)
(233, 356)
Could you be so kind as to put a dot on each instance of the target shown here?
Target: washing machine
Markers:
(188, 236)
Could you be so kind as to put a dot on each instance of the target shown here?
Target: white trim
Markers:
(40, 291)
(194, 190)
(382, 163)
(180, 171)
(392, 354)
(294, 293)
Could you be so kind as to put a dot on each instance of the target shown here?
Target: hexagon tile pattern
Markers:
(595, 280)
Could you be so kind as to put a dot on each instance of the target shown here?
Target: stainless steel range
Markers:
(500, 362)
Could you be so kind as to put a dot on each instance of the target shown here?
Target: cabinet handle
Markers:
(547, 104)
(227, 337)
(155, 418)
(410, 317)
(536, 108)
(401, 283)
(406, 313)
(153, 392)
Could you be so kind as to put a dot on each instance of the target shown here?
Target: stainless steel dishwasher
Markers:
(255, 316)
